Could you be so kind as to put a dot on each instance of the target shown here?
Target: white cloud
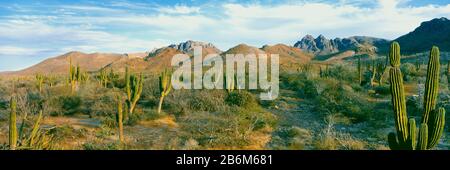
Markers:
(179, 9)
(15, 51)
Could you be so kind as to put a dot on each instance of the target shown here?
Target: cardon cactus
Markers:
(360, 73)
(74, 76)
(448, 74)
(433, 119)
(165, 85)
(133, 88)
(120, 118)
(230, 83)
(103, 78)
(39, 82)
(12, 125)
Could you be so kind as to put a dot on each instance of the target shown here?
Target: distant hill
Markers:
(429, 33)
(290, 56)
(60, 64)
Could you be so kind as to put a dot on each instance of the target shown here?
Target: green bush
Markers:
(342, 72)
(301, 83)
(341, 99)
(383, 90)
(240, 98)
(70, 104)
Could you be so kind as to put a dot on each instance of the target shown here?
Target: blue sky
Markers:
(31, 31)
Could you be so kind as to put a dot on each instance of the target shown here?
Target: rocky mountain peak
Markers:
(189, 45)
(323, 46)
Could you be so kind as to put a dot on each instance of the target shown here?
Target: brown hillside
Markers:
(161, 59)
(60, 64)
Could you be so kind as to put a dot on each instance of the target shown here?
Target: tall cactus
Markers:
(448, 74)
(381, 67)
(431, 84)
(230, 82)
(360, 73)
(74, 76)
(165, 85)
(120, 118)
(373, 73)
(39, 82)
(133, 87)
(103, 78)
(12, 125)
(433, 120)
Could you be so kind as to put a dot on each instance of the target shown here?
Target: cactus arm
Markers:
(432, 84)
(412, 134)
(436, 127)
(127, 82)
(35, 129)
(165, 86)
(423, 137)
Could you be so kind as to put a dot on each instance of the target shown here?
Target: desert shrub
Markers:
(304, 86)
(133, 119)
(342, 72)
(383, 90)
(35, 102)
(106, 104)
(66, 131)
(357, 87)
(152, 114)
(4, 104)
(109, 121)
(341, 99)
(290, 138)
(70, 104)
(408, 71)
(240, 98)
(206, 100)
(101, 146)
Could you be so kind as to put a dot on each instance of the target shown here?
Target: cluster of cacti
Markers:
(433, 119)
(36, 139)
(133, 87)
(51, 80)
(381, 67)
(103, 78)
(165, 85)
(120, 118)
(107, 78)
(39, 82)
(74, 76)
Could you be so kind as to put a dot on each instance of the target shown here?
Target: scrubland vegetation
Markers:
(345, 105)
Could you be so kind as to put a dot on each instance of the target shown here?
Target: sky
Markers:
(31, 31)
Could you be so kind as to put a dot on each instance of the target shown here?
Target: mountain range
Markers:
(433, 32)
(429, 33)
